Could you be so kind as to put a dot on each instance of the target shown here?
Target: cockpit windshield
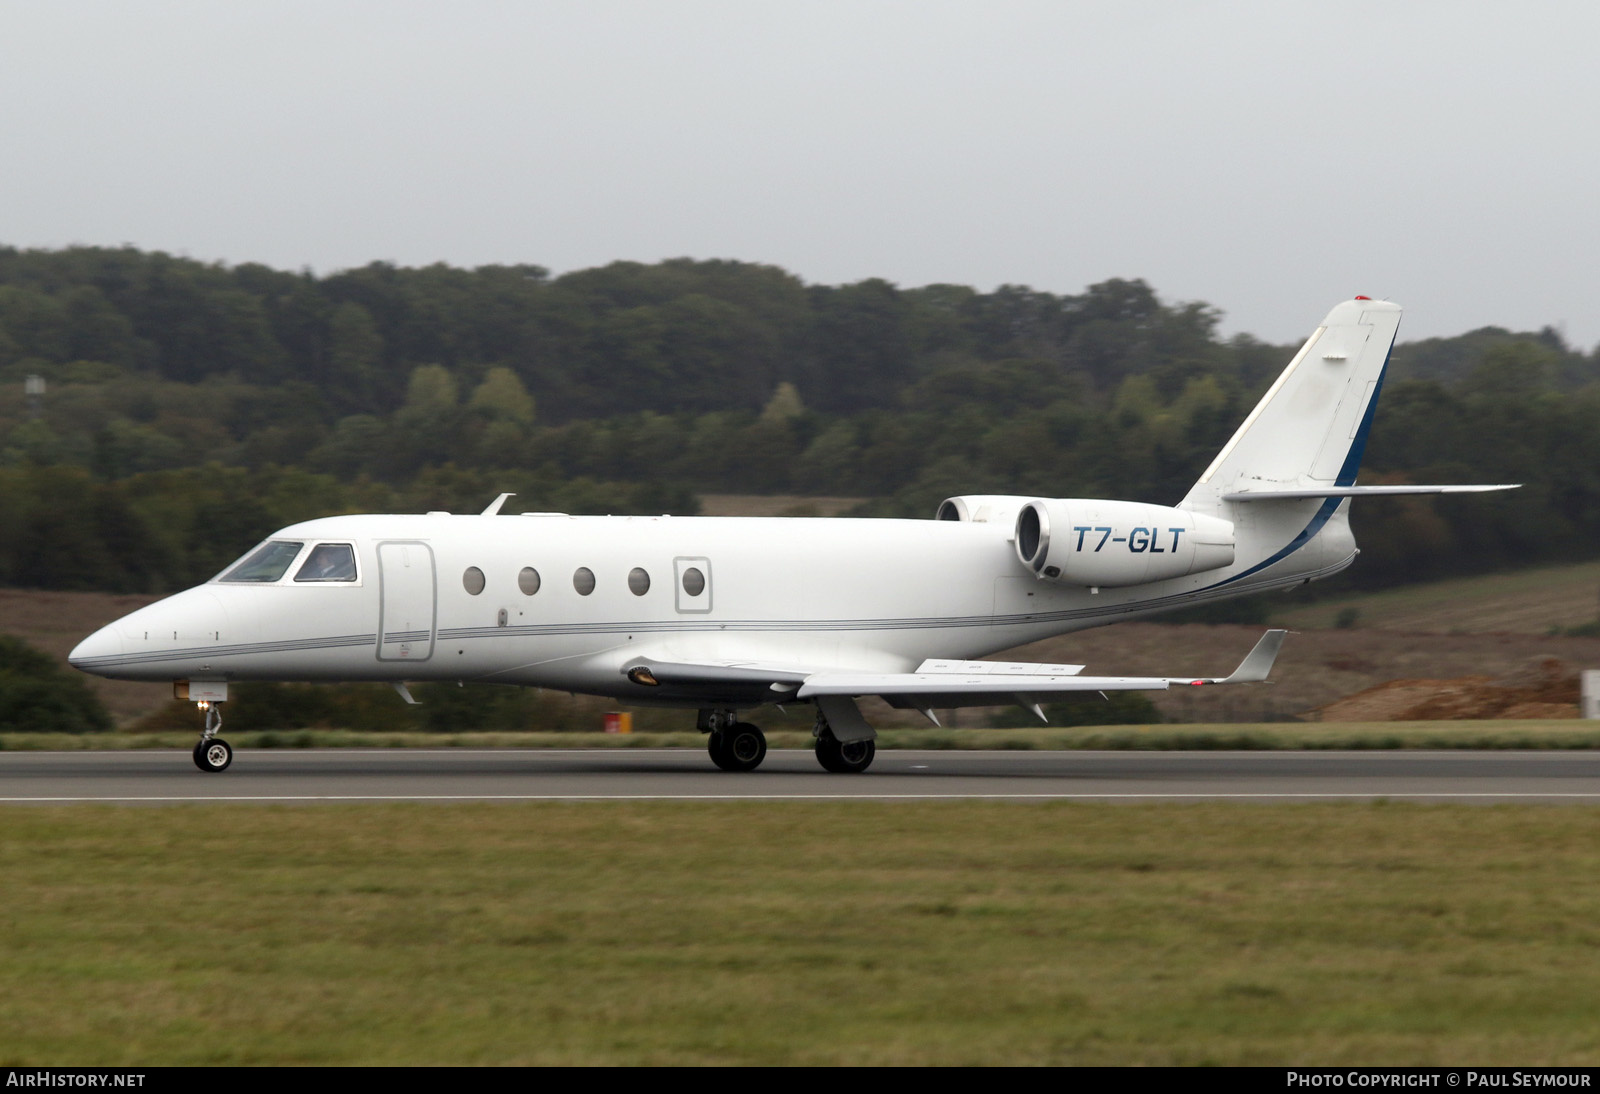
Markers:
(269, 562)
(328, 562)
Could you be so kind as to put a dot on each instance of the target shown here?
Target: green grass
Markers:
(800, 933)
(1520, 602)
(1552, 733)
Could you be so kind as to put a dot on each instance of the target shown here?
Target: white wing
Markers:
(987, 679)
(936, 683)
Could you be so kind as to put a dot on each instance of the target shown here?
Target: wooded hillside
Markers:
(191, 408)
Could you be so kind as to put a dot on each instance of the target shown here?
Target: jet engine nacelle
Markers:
(982, 508)
(1111, 543)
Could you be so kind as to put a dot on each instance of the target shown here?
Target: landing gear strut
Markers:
(733, 746)
(212, 753)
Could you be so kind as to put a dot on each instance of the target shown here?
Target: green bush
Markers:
(449, 708)
(38, 696)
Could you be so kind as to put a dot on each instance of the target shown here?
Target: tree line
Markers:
(191, 408)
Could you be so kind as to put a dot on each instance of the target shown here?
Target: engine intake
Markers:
(1113, 543)
(981, 508)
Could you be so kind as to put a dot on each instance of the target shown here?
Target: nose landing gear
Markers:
(212, 753)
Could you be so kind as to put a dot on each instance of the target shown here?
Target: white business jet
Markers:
(726, 614)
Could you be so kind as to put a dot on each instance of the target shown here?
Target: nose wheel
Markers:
(212, 753)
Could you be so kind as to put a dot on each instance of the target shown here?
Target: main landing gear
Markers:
(734, 746)
(212, 753)
(842, 757)
(740, 746)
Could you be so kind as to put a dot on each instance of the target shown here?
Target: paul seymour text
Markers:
(1450, 1078)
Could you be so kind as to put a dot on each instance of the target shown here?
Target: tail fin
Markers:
(1310, 428)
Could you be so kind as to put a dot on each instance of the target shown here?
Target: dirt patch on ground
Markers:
(1318, 669)
(1545, 687)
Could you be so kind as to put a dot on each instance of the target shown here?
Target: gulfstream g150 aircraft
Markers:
(722, 615)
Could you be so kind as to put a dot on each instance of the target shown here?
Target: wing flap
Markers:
(939, 688)
(937, 685)
(999, 668)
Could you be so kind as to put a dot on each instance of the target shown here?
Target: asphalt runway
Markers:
(324, 775)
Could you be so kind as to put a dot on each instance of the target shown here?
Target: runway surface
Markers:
(309, 776)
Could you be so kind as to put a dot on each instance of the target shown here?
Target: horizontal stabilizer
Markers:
(1360, 492)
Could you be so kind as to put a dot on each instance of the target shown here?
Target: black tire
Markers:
(844, 759)
(740, 747)
(717, 748)
(213, 755)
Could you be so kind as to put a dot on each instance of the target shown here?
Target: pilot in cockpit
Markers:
(329, 562)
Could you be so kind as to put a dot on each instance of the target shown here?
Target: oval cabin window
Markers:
(638, 581)
(583, 581)
(472, 580)
(528, 580)
(694, 582)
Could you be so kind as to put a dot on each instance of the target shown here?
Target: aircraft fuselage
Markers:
(840, 594)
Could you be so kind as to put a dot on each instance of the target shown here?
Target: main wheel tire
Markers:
(844, 758)
(740, 747)
(213, 755)
(717, 748)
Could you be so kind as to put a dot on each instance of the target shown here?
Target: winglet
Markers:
(494, 506)
(1258, 662)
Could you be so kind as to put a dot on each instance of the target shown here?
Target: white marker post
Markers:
(1590, 703)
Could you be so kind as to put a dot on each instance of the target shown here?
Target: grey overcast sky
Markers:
(1267, 158)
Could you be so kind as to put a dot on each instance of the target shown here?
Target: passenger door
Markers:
(407, 602)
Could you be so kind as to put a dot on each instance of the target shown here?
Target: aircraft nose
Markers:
(103, 643)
